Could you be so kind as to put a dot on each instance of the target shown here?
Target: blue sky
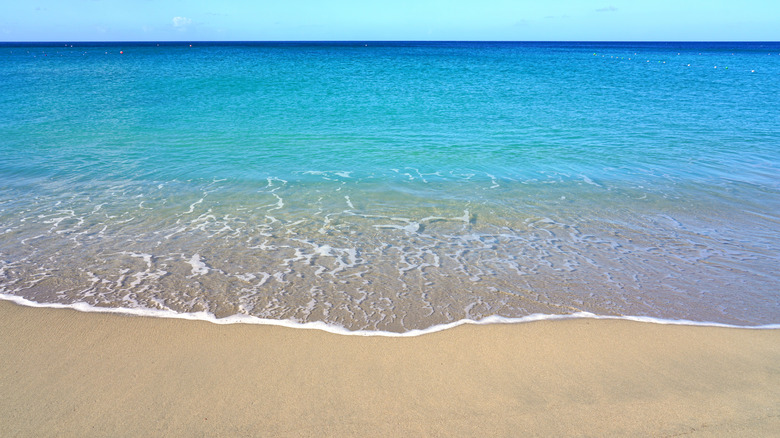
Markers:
(518, 20)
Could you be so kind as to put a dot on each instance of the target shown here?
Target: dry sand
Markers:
(65, 373)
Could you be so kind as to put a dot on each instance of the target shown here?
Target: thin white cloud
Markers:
(181, 22)
(609, 8)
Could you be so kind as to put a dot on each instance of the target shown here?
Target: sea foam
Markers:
(334, 329)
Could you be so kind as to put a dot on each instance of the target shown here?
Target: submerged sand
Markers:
(66, 373)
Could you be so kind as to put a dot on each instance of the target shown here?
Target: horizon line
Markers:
(380, 41)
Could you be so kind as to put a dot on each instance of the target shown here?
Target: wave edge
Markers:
(338, 330)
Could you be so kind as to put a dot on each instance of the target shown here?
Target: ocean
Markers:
(393, 187)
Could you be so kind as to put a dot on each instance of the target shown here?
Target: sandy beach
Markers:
(66, 373)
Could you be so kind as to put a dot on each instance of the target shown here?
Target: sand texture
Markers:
(65, 373)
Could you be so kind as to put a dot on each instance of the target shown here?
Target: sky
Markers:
(397, 20)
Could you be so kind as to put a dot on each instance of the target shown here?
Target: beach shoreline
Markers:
(68, 373)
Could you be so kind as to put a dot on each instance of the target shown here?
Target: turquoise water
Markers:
(394, 186)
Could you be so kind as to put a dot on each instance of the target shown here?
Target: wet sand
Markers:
(66, 373)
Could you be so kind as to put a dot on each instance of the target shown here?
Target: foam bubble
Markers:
(198, 266)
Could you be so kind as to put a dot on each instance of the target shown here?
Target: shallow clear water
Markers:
(394, 186)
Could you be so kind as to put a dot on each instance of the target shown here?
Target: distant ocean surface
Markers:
(393, 186)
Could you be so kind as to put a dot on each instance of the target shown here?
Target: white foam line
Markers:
(493, 180)
(175, 232)
(192, 206)
(589, 181)
(147, 257)
(271, 180)
(319, 325)
(279, 204)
